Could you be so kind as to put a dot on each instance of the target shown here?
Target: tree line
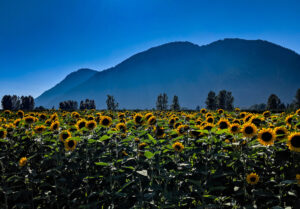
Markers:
(223, 100)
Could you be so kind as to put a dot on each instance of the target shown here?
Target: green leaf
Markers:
(104, 137)
(101, 163)
(152, 139)
(148, 154)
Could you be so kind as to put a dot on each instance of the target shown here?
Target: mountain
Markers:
(49, 97)
(251, 69)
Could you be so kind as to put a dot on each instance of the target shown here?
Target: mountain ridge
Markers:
(214, 66)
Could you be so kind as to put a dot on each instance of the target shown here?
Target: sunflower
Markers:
(203, 110)
(267, 114)
(178, 147)
(234, 128)
(64, 135)
(177, 124)
(20, 113)
(70, 144)
(105, 121)
(54, 126)
(54, 117)
(148, 115)
(298, 112)
(210, 119)
(91, 124)
(17, 122)
(75, 115)
(294, 142)
(121, 127)
(281, 132)
(266, 136)
(181, 129)
(249, 130)
(159, 131)
(208, 126)
(39, 129)
(48, 122)
(43, 116)
(220, 111)
(121, 115)
(223, 123)
(22, 161)
(142, 146)
(252, 178)
(237, 109)
(151, 120)
(196, 133)
(171, 122)
(7, 112)
(90, 117)
(243, 114)
(29, 119)
(81, 124)
(289, 120)
(3, 133)
(257, 121)
(138, 119)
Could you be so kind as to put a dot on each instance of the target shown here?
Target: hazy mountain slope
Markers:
(72, 80)
(252, 70)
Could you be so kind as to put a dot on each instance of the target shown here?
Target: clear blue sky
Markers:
(41, 41)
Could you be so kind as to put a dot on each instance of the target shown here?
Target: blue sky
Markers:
(43, 41)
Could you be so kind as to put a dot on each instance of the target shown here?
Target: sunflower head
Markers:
(208, 126)
(294, 142)
(70, 144)
(17, 122)
(121, 127)
(81, 124)
(159, 131)
(20, 113)
(148, 115)
(3, 133)
(181, 130)
(138, 119)
(54, 126)
(105, 121)
(252, 178)
(152, 120)
(91, 124)
(43, 116)
(281, 132)
(203, 110)
(267, 114)
(249, 130)
(178, 147)
(29, 119)
(22, 161)
(223, 123)
(234, 128)
(75, 115)
(237, 109)
(266, 136)
(289, 120)
(220, 111)
(64, 135)
(210, 119)
(39, 129)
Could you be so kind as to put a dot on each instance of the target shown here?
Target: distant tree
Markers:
(197, 108)
(229, 101)
(27, 103)
(225, 100)
(111, 103)
(211, 101)
(87, 104)
(11, 102)
(273, 102)
(258, 107)
(40, 108)
(6, 102)
(297, 99)
(165, 101)
(162, 102)
(159, 102)
(175, 104)
(69, 105)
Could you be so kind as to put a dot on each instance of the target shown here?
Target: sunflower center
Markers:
(249, 130)
(223, 125)
(91, 125)
(138, 119)
(208, 128)
(65, 135)
(234, 128)
(81, 125)
(1, 134)
(160, 132)
(210, 120)
(266, 136)
(256, 121)
(71, 143)
(252, 179)
(295, 141)
(105, 121)
(177, 147)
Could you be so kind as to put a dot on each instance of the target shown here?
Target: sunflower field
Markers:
(149, 159)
